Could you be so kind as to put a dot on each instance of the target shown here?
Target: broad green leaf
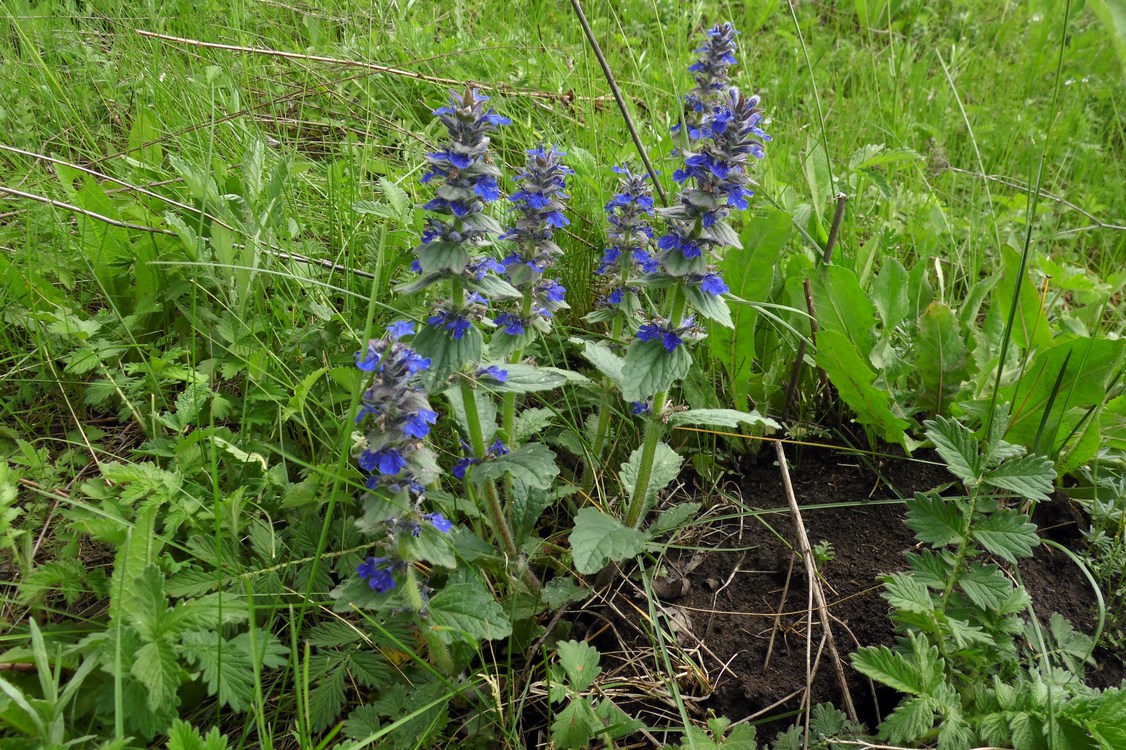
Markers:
(563, 590)
(673, 518)
(709, 306)
(817, 176)
(1007, 534)
(598, 539)
(750, 276)
(844, 307)
(1030, 326)
(958, 447)
(447, 354)
(941, 358)
(432, 546)
(1029, 477)
(1113, 15)
(910, 720)
(1087, 366)
(580, 661)
(855, 381)
(935, 520)
(891, 668)
(604, 360)
(532, 421)
(666, 468)
(493, 287)
(730, 418)
(529, 378)
(468, 610)
(889, 293)
(486, 411)
(533, 464)
(649, 368)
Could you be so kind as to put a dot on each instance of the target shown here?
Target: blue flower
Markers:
(457, 325)
(390, 461)
(640, 407)
(440, 522)
(399, 329)
(461, 466)
(367, 360)
(377, 572)
(498, 448)
(498, 374)
(418, 424)
(616, 296)
(513, 325)
(416, 363)
(668, 337)
(713, 284)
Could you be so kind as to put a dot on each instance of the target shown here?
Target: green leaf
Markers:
(486, 410)
(599, 539)
(184, 736)
(935, 520)
(447, 354)
(889, 293)
(844, 307)
(1030, 328)
(616, 722)
(709, 306)
(468, 610)
(228, 665)
(898, 670)
(533, 464)
(528, 379)
(604, 360)
(146, 605)
(673, 518)
(986, 586)
(910, 720)
(907, 593)
(730, 418)
(493, 287)
(326, 701)
(649, 368)
(817, 176)
(666, 468)
(1029, 477)
(575, 725)
(1007, 534)
(941, 358)
(563, 590)
(855, 382)
(532, 421)
(156, 667)
(580, 661)
(958, 448)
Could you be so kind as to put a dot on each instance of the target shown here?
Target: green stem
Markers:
(602, 432)
(492, 497)
(653, 430)
(508, 423)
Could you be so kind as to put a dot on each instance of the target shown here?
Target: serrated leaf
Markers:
(335, 632)
(580, 661)
(844, 308)
(1029, 477)
(650, 368)
(730, 418)
(906, 593)
(935, 520)
(1007, 534)
(468, 610)
(533, 464)
(958, 447)
(183, 736)
(326, 701)
(616, 722)
(575, 725)
(893, 668)
(598, 539)
(156, 667)
(985, 585)
(910, 720)
(604, 360)
(228, 665)
(532, 421)
(666, 468)
(563, 590)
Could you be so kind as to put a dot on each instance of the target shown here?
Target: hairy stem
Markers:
(653, 430)
(508, 424)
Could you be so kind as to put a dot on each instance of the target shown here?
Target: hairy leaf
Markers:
(469, 610)
(649, 368)
(666, 468)
(1029, 477)
(958, 447)
(599, 539)
(730, 418)
(855, 381)
(935, 520)
(580, 661)
(1007, 534)
(533, 464)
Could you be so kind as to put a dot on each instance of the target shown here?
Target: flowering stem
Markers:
(603, 430)
(508, 425)
(492, 497)
(653, 429)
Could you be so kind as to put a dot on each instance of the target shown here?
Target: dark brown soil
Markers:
(737, 573)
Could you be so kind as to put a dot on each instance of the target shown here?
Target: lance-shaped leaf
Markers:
(941, 358)
(730, 418)
(855, 382)
(666, 468)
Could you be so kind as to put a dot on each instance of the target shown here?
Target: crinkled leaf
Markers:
(447, 354)
(598, 539)
(469, 610)
(909, 721)
(528, 378)
(228, 665)
(649, 368)
(711, 306)
(1029, 477)
(563, 590)
(604, 360)
(985, 585)
(673, 518)
(532, 421)
(907, 593)
(666, 468)
(156, 667)
(730, 418)
(1007, 534)
(533, 464)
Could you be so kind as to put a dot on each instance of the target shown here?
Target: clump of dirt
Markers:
(737, 601)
